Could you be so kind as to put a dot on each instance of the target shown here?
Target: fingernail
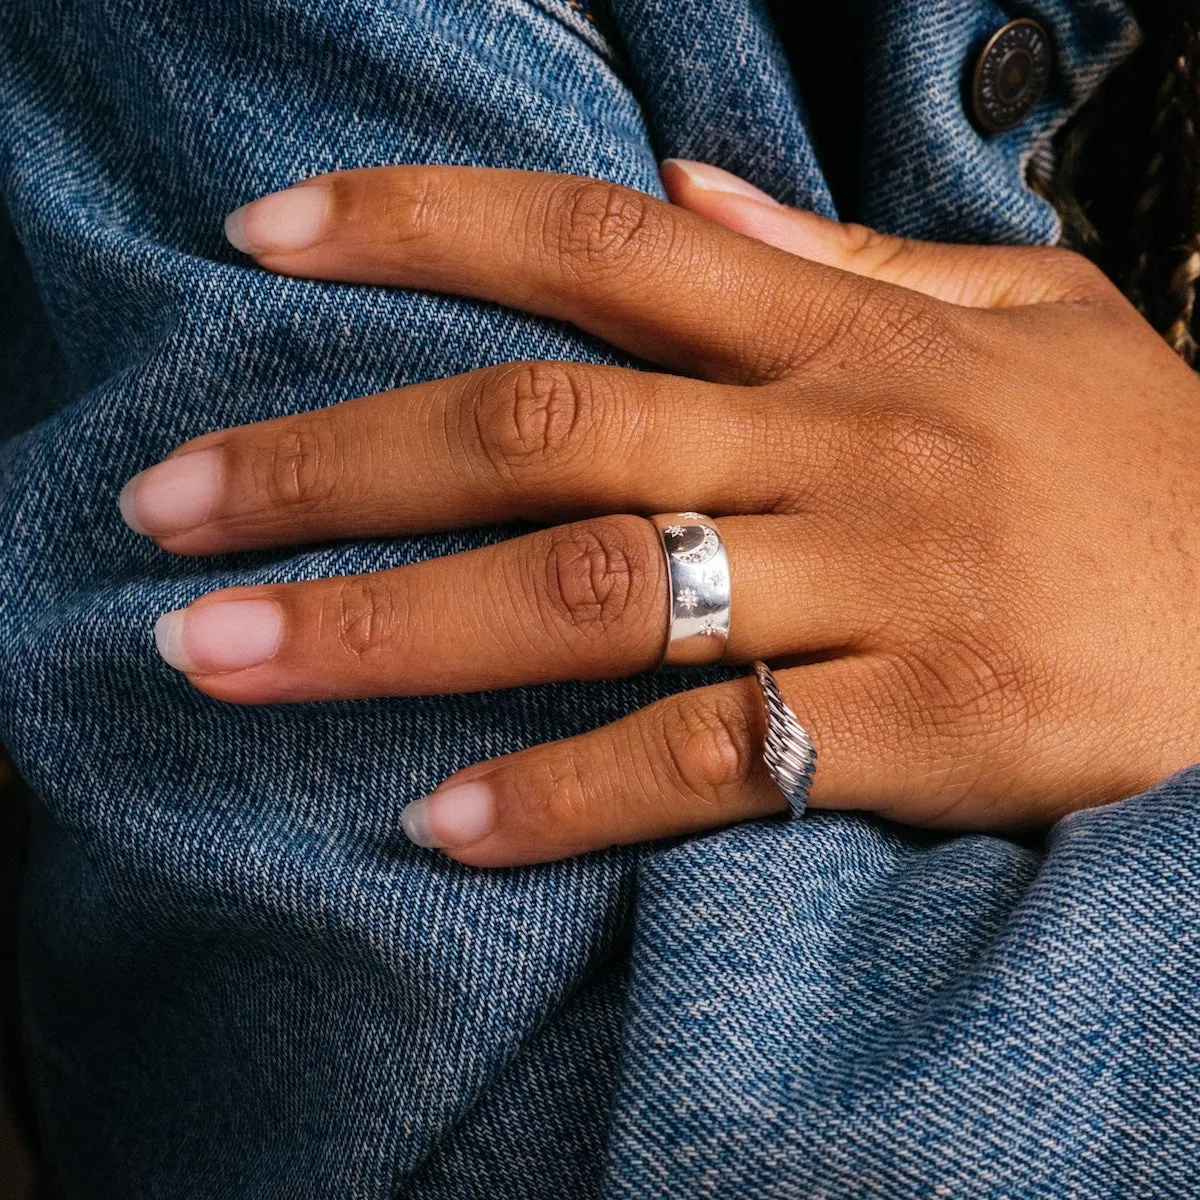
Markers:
(713, 179)
(453, 816)
(281, 223)
(228, 635)
(179, 493)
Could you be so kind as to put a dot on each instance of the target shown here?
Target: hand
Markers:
(959, 485)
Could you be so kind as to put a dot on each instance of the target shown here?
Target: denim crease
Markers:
(241, 981)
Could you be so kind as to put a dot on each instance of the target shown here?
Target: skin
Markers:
(958, 488)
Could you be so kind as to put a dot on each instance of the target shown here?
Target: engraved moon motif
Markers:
(697, 545)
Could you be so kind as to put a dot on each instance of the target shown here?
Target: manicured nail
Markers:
(227, 635)
(713, 179)
(177, 494)
(452, 816)
(281, 223)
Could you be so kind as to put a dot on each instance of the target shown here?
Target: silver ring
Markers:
(698, 574)
(788, 751)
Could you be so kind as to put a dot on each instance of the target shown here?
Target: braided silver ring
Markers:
(788, 751)
(698, 575)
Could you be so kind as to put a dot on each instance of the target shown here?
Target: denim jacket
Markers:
(240, 979)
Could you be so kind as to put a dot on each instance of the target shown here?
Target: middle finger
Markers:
(540, 440)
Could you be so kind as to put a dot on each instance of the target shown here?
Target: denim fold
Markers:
(241, 980)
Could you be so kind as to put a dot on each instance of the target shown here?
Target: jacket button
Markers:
(1011, 75)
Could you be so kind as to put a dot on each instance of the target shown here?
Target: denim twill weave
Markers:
(241, 980)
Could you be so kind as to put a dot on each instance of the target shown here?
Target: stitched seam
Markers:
(573, 16)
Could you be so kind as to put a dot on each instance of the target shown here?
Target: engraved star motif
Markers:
(709, 628)
(714, 579)
(673, 530)
(688, 598)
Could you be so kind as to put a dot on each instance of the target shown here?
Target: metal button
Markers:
(1011, 75)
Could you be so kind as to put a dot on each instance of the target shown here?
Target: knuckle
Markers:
(964, 690)
(853, 322)
(598, 228)
(904, 329)
(709, 743)
(367, 616)
(535, 416)
(926, 453)
(976, 677)
(300, 467)
(598, 575)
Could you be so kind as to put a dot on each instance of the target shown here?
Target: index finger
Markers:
(642, 274)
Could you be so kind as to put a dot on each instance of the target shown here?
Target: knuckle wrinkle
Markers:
(532, 415)
(367, 617)
(595, 575)
(299, 467)
(711, 745)
(602, 227)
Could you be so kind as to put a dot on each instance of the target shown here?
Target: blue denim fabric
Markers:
(241, 980)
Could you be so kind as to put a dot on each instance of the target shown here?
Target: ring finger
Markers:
(578, 601)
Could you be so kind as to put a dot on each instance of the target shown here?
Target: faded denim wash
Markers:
(241, 980)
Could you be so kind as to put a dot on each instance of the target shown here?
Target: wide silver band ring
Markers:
(788, 751)
(698, 574)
